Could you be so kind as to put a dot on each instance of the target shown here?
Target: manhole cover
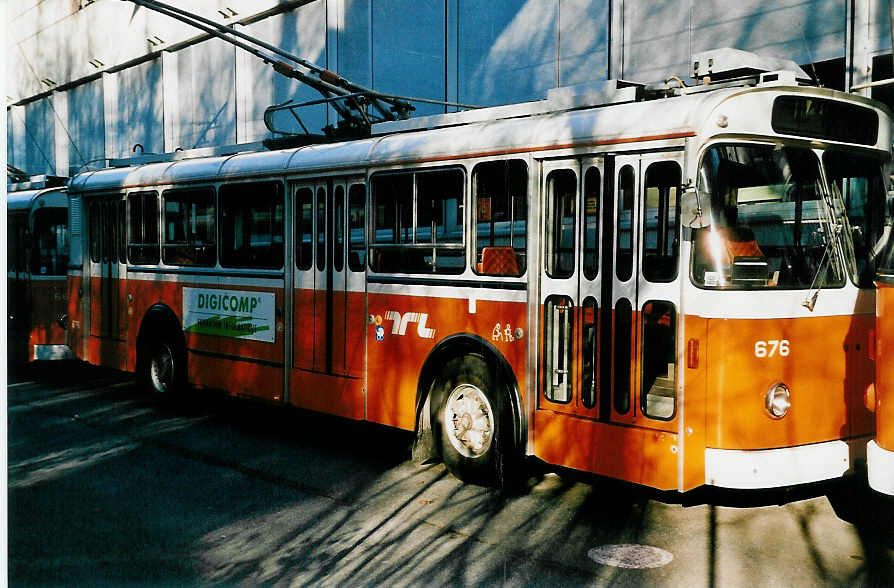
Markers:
(630, 556)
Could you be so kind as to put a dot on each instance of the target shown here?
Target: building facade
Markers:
(93, 80)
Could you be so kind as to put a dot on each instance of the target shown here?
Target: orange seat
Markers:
(498, 261)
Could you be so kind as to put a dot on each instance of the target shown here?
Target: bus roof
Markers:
(625, 123)
(26, 199)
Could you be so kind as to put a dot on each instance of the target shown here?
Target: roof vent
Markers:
(728, 63)
(595, 93)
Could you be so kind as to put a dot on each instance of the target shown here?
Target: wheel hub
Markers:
(469, 420)
(161, 369)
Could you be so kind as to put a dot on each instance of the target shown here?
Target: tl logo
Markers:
(399, 323)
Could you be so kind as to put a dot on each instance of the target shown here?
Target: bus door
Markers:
(108, 309)
(609, 290)
(570, 297)
(309, 312)
(644, 290)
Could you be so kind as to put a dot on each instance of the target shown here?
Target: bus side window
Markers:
(660, 227)
(189, 235)
(95, 214)
(50, 242)
(560, 223)
(142, 244)
(252, 223)
(500, 192)
(624, 246)
(357, 228)
(659, 349)
(431, 241)
(304, 226)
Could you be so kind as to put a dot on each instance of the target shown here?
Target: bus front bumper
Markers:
(786, 466)
(880, 467)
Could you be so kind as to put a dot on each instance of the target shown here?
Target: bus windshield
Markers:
(860, 180)
(769, 224)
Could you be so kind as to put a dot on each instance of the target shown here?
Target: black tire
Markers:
(473, 419)
(163, 367)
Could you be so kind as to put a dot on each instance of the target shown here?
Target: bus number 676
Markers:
(772, 347)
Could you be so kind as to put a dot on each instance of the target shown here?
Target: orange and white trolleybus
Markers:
(37, 269)
(667, 285)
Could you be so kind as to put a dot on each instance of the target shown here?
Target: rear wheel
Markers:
(473, 421)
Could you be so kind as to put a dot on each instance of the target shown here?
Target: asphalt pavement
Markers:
(108, 486)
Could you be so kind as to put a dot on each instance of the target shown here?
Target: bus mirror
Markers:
(692, 209)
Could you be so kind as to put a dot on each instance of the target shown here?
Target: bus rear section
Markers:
(37, 268)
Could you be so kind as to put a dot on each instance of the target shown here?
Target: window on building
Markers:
(189, 236)
(419, 222)
(252, 216)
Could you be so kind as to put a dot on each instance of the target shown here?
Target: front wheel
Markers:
(473, 417)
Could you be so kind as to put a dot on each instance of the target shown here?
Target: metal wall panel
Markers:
(301, 32)
(207, 88)
(508, 51)
(583, 41)
(39, 138)
(409, 46)
(804, 32)
(86, 127)
(140, 109)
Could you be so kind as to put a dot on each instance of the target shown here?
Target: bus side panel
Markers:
(75, 311)
(861, 374)
(329, 393)
(303, 355)
(411, 326)
(104, 346)
(241, 366)
(18, 319)
(642, 456)
(695, 362)
(355, 327)
(884, 408)
(749, 356)
(339, 306)
(49, 303)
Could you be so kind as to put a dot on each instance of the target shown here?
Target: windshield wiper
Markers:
(820, 276)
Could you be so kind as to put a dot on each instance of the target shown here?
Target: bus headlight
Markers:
(778, 400)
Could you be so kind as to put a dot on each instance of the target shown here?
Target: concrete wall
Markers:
(90, 80)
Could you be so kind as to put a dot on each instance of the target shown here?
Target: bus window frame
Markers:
(188, 243)
(519, 252)
(222, 194)
(374, 249)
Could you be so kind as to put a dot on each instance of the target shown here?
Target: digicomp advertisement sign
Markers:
(230, 313)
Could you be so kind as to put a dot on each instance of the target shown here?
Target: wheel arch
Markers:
(465, 344)
(159, 321)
